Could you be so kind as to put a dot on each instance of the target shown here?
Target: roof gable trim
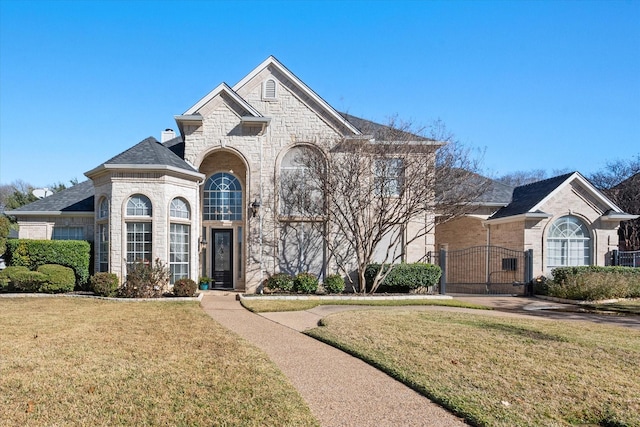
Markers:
(586, 184)
(272, 61)
(222, 88)
(160, 168)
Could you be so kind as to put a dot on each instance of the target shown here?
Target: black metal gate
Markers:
(485, 270)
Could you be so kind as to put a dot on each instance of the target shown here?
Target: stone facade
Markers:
(42, 228)
(238, 137)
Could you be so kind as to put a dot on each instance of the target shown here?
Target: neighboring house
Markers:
(204, 201)
(564, 220)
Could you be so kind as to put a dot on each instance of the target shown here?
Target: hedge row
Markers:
(74, 254)
(49, 278)
(305, 283)
(593, 283)
(404, 277)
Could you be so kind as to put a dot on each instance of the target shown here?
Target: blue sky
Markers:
(536, 84)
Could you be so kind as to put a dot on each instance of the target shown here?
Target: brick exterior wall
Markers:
(521, 234)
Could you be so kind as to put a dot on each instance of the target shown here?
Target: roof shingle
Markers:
(150, 152)
(79, 198)
(527, 196)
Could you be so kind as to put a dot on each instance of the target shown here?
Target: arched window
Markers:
(139, 205)
(139, 236)
(568, 243)
(103, 208)
(302, 211)
(102, 239)
(222, 198)
(301, 172)
(179, 208)
(179, 232)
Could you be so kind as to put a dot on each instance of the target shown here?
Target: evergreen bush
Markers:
(34, 253)
(6, 281)
(27, 281)
(305, 283)
(404, 277)
(59, 278)
(334, 284)
(280, 282)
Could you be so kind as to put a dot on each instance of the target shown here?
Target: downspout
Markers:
(198, 220)
(261, 216)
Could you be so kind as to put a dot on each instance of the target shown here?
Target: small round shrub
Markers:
(280, 282)
(334, 284)
(104, 284)
(305, 283)
(27, 281)
(6, 281)
(184, 288)
(59, 278)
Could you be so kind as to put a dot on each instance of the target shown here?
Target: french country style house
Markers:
(202, 199)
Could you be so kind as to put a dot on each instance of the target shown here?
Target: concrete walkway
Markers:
(340, 389)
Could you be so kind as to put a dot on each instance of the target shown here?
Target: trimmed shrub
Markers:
(34, 253)
(104, 284)
(59, 278)
(145, 280)
(334, 284)
(592, 283)
(7, 274)
(184, 288)
(280, 282)
(404, 277)
(27, 281)
(306, 283)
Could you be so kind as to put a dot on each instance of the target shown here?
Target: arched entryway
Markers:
(224, 216)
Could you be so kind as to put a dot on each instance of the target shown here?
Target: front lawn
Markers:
(259, 305)
(85, 362)
(497, 371)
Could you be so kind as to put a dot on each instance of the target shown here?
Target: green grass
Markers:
(258, 305)
(499, 371)
(85, 362)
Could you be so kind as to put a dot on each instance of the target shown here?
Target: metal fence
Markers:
(484, 270)
(624, 258)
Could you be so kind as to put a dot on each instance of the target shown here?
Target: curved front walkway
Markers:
(340, 389)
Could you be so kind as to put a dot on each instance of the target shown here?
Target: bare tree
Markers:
(518, 178)
(377, 194)
(620, 181)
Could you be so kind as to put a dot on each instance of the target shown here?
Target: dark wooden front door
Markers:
(222, 258)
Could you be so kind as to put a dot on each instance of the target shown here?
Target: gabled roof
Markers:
(73, 200)
(147, 154)
(528, 199)
(222, 88)
(272, 62)
(495, 194)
